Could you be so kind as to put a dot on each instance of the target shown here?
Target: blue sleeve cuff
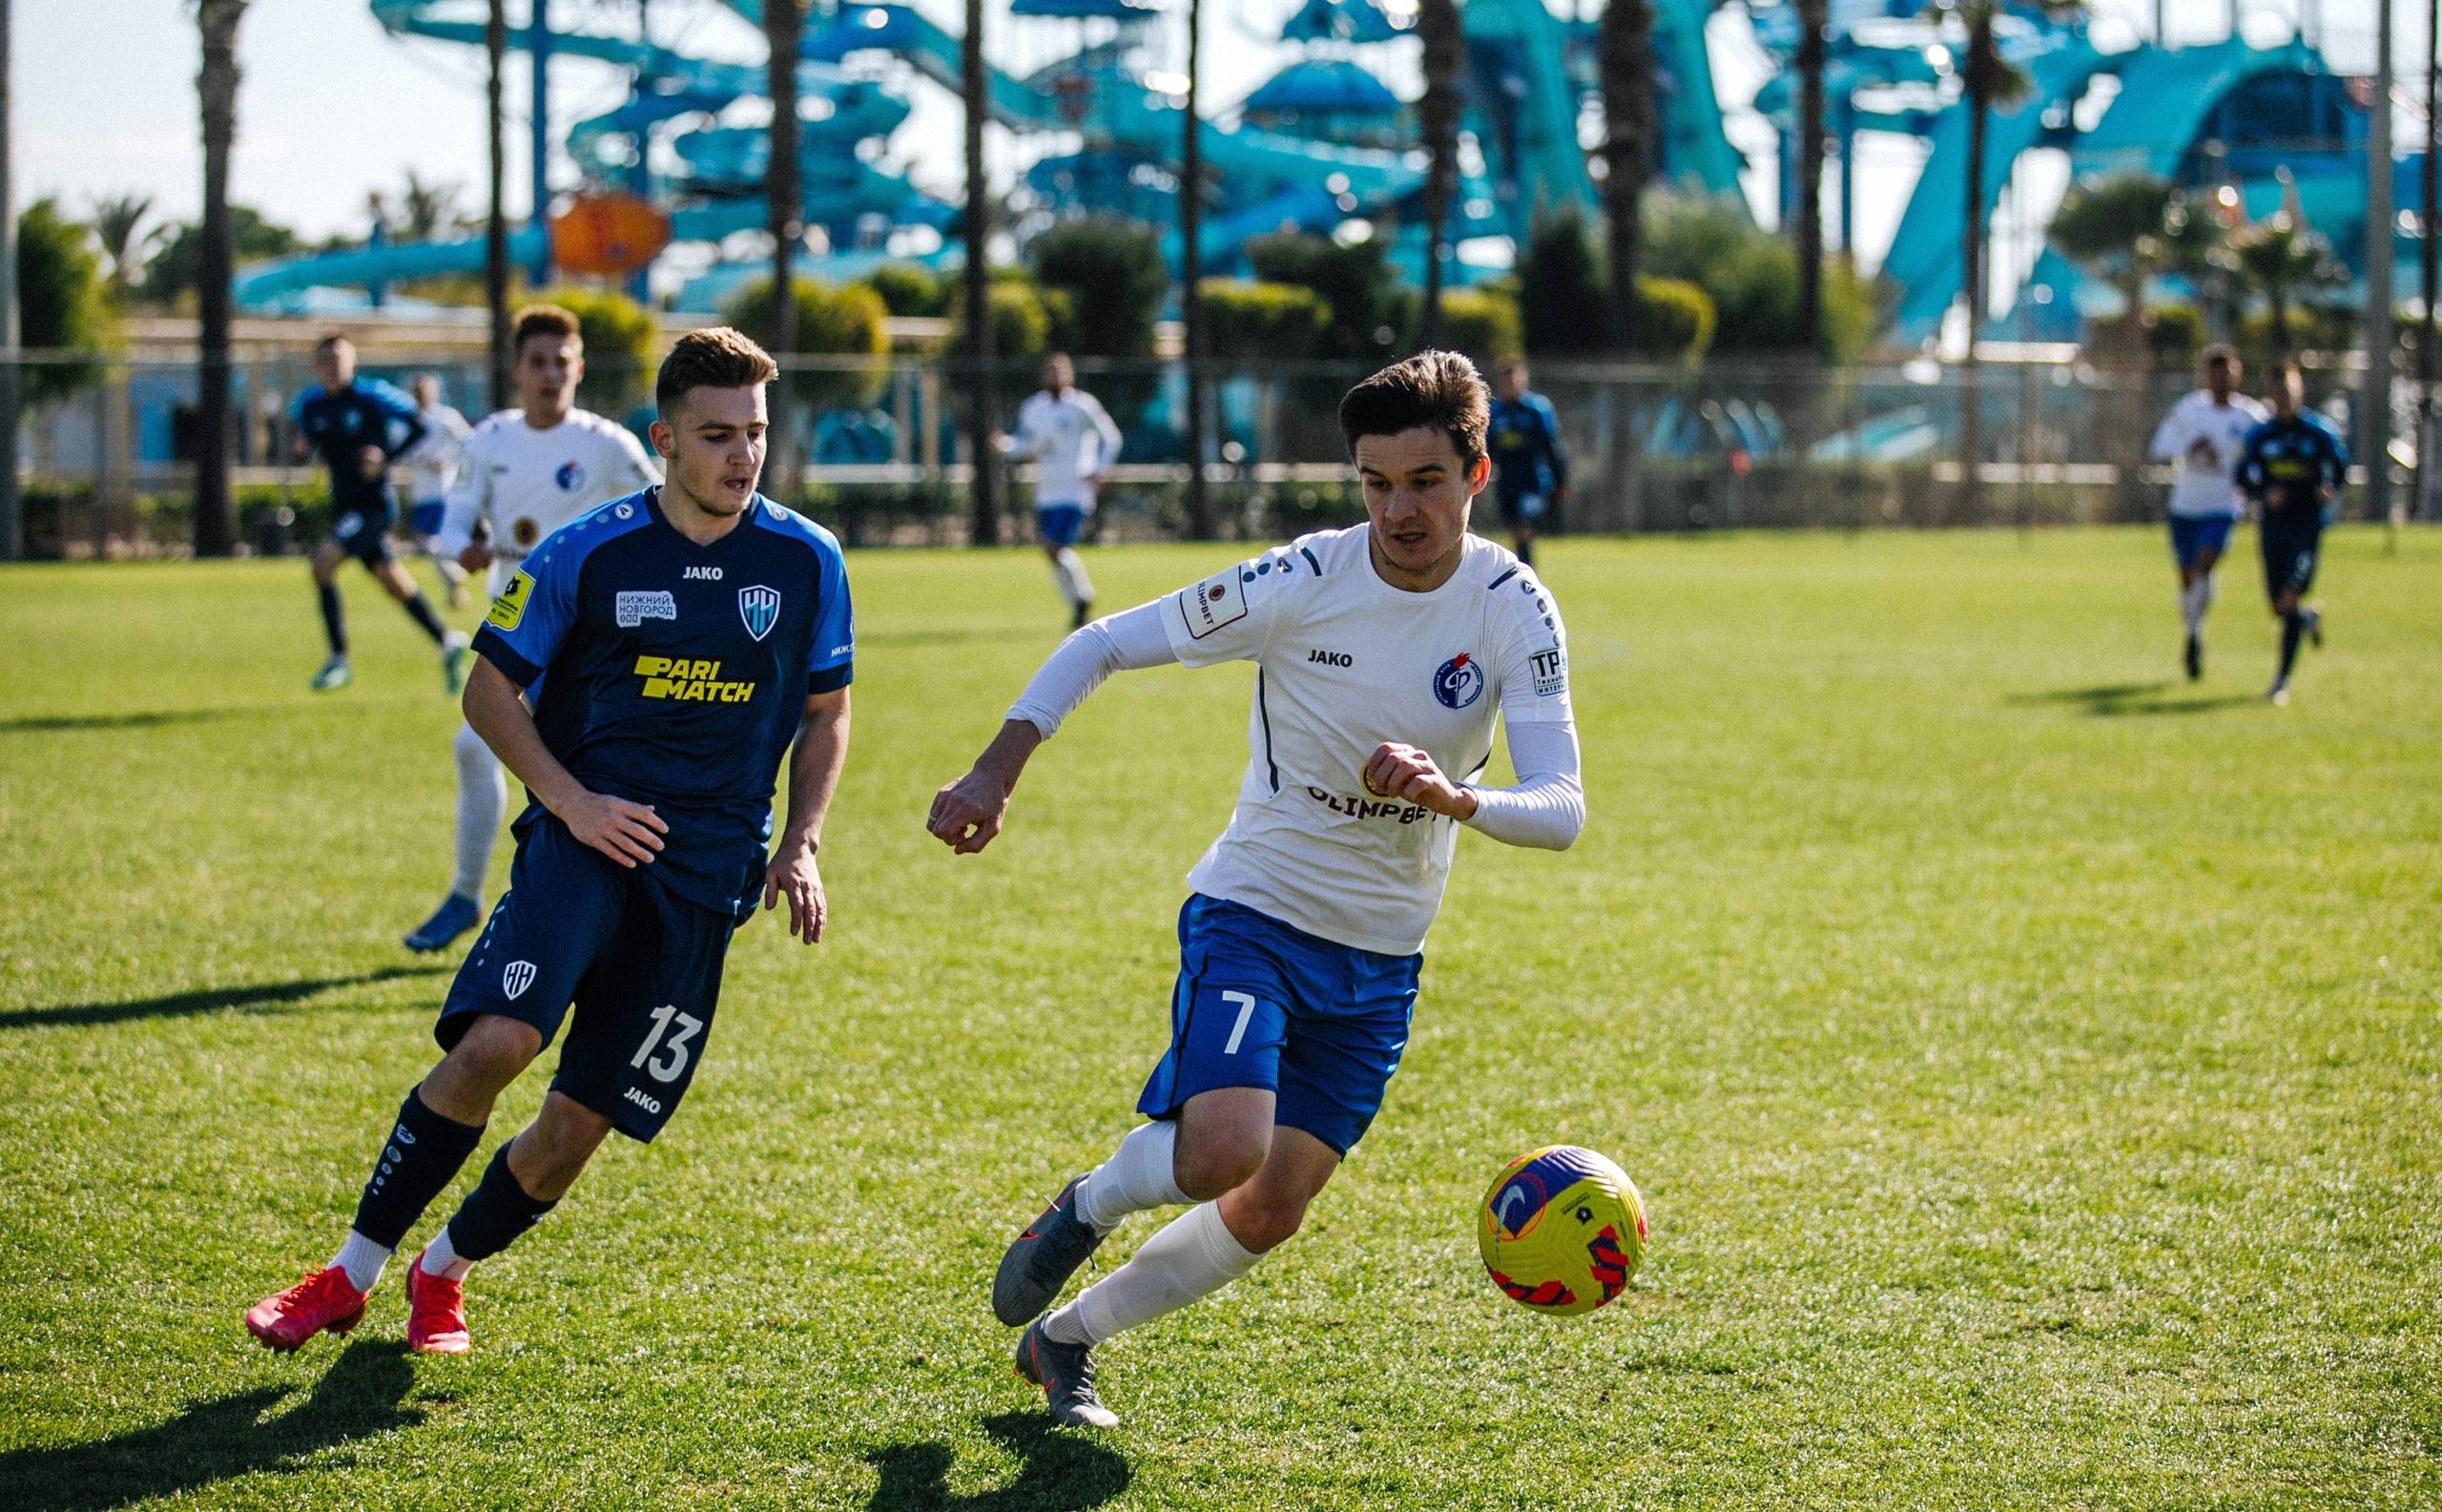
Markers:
(493, 647)
(827, 679)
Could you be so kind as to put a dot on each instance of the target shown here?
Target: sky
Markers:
(332, 108)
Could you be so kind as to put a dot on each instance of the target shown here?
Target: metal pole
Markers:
(2427, 210)
(12, 524)
(1199, 514)
(496, 211)
(2376, 425)
(538, 42)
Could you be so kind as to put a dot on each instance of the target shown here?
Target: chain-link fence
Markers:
(109, 445)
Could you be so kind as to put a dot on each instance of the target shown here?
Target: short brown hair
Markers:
(1439, 389)
(544, 320)
(2221, 352)
(716, 357)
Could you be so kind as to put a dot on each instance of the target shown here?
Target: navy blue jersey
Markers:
(1524, 439)
(676, 674)
(340, 422)
(2284, 464)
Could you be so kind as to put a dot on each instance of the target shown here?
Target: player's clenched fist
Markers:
(1407, 773)
(967, 812)
(628, 833)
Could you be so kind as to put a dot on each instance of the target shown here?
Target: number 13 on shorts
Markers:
(672, 1059)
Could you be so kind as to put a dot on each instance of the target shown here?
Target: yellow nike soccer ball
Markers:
(1562, 1229)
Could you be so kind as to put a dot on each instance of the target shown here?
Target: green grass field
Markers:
(2030, 1063)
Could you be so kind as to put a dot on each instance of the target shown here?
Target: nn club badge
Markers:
(760, 608)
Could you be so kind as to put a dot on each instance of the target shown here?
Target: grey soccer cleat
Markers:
(1041, 1260)
(1066, 1373)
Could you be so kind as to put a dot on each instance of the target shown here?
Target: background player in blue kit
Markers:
(359, 427)
(1529, 467)
(685, 637)
(2291, 466)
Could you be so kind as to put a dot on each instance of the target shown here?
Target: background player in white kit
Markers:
(1384, 653)
(2202, 434)
(525, 473)
(1070, 439)
(427, 469)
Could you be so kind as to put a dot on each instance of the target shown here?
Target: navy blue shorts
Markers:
(363, 534)
(424, 517)
(2194, 534)
(641, 965)
(2290, 551)
(1058, 524)
(1524, 508)
(1261, 1003)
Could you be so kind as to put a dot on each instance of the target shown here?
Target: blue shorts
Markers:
(1058, 524)
(2289, 549)
(424, 517)
(363, 534)
(1261, 1003)
(1525, 509)
(2194, 534)
(641, 965)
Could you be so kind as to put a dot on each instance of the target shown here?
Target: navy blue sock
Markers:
(422, 1154)
(421, 611)
(2292, 625)
(495, 1212)
(333, 625)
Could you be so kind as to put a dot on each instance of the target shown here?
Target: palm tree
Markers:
(495, 209)
(1814, 16)
(424, 209)
(1437, 27)
(2116, 228)
(984, 493)
(118, 227)
(1199, 507)
(1626, 55)
(2284, 259)
(785, 28)
(216, 519)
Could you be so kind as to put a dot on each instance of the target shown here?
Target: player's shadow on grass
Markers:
(146, 719)
(1060, 1472)
(2113, 700)
(209, 1000)
(361, 1394)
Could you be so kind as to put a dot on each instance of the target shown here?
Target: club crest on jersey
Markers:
(570, 477)
(760, 608)
(516, 977)
(1459, 682)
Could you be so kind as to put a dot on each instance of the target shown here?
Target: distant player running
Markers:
(1384, 654)
(430, 466)
(2202, 434)
(1529, 466)
(1070, 439)
(2291, 468)
(359, 427)
(525, 473)
(683, 637)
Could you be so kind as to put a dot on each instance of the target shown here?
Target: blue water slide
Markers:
(1925, 259)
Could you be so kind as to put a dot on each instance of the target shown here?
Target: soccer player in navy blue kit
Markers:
(2291, 468)
(359, 427)
(676, 644)
(1529, 467)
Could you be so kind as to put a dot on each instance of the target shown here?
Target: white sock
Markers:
(2203, 597)
(362, 1260)
(441, 1258)
(1068, 571)
(1193, 1255)
(482, 794)
(1140, 1175)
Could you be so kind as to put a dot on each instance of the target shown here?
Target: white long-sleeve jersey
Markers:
(525, 483)
(2204, 438)
(1069, 438)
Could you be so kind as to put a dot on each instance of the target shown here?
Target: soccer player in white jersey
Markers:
(429, 467)
(2202, 434)
(1384, 653)
(525, 473)
(1070, 439)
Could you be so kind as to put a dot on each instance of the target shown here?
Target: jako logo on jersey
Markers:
(690, 681)
(636, 1095)
(1459, 682)
(570, 477)
(703, 574)
(516, 977)
(760, 608)
(1331, 658)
